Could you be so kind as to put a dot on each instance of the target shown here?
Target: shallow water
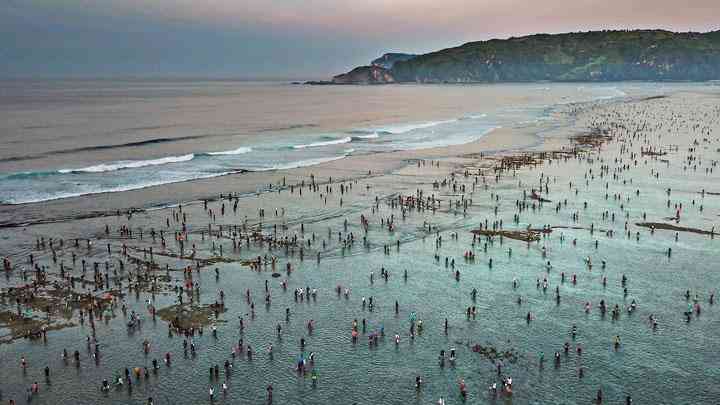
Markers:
(70, 138)
(654, 366)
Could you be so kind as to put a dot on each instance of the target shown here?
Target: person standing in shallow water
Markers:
(408, 303)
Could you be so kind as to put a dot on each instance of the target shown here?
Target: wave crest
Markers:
(239, 151)
(129, 164)
(403, 128)
(372, 135)
(340, 141)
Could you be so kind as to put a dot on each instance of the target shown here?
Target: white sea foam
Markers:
(299, 163)
(474, 116)
(373, 135)
(239, 151)
(308, 162)
(100, 190)
(451, 141)
(340, 141)
(129, 164)
(403, 128)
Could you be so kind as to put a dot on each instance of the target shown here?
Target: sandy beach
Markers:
(353, 167)
(396, 227)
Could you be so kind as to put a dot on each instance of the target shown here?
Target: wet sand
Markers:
(512, 182)
(249, 183)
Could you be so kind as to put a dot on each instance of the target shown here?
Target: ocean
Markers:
(81, 138)
(73, 138)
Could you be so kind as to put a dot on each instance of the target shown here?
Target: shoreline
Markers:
(557, 185)
(247, 183)
(527, 136)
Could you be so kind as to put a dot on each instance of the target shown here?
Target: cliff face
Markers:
(590, 56)
(388, 60)
(365, 75)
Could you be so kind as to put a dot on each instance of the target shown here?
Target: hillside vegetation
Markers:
(590, 56)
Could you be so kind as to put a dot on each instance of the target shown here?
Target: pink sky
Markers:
(294, 37)
(464, 19)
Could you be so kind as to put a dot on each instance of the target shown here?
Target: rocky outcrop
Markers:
(654, 55)
(388, 60)
(365, 75)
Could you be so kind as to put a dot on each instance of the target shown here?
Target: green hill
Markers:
(589, 56)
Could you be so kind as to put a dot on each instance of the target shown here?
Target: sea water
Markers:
(72, 138)
(675, 364)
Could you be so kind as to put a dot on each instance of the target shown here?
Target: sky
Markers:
(290, 39)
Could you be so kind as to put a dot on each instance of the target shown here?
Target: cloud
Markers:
(290, 37)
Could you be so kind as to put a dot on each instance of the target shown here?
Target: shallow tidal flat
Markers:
(543, 233)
